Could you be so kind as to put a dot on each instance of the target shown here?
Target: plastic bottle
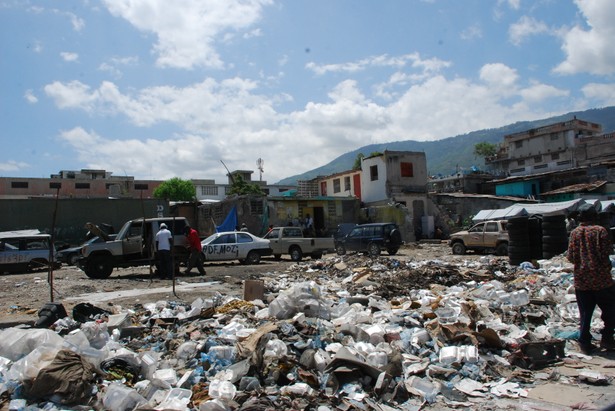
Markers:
(223, 390)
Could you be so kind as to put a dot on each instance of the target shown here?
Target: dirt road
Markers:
(22, 295)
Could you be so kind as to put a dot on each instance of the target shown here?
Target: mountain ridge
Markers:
(446, 155)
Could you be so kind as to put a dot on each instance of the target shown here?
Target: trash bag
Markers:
(49, 314)
(84, 312)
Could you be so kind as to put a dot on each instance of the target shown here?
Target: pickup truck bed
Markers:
(290, 240)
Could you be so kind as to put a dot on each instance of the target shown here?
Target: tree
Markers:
(240, 187)
(361, 156)
(357, 161)
(176, 189)
(485, 149)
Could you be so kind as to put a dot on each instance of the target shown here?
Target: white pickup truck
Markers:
(290, 240)
(132, 247)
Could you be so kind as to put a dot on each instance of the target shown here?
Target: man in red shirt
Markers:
(196, 255)
(589, 248)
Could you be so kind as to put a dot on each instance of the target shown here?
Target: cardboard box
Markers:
(253, 290)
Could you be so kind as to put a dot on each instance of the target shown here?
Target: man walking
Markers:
(589, 248)
(195, 248)
(164, 242)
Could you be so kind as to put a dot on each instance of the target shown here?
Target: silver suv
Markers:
(26, 251)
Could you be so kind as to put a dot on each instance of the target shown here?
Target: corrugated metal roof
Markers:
(576, 188)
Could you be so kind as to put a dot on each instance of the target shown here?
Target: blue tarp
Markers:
(230, 222)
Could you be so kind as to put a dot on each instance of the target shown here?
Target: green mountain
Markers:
(446, 155)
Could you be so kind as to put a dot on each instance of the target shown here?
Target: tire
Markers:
(373, 249)
(295, 254)
(37, 264)
(395, 237)
(458, 248)
(253, 257)
(501, 249)
(340, 249)
(393, 250)
(71, 259)
(277, 256)
(99, 267)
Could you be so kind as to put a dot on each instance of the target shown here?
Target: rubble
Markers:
(339, 333)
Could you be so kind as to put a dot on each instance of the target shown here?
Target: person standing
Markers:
(589, 248)
(195, 248)
(164, 242)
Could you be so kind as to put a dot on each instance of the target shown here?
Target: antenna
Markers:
(260, 164)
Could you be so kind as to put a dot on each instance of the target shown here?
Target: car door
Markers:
(475, 235)
(245, 244)
(491, 235)
(132, 244)
(222, 248)
(354, 239)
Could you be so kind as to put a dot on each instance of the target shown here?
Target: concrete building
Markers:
(543, 149)
(78, 184)
(344, 184)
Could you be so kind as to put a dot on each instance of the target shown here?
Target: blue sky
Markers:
(165, 88)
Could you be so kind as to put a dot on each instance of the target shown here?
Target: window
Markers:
(406, 170)
(554, 136)
(55, 185)
(141, 186)
(225, 239)
(256, 207)
(82, 186)
(478, 228)
(244, 238)
(19, 184)
(520, 162)
(518, 170)
(346, 183)
(540, 166)
(555, 156)
(537, 159)
(337, 186)
(209, 190)
(491, 227)
(373, 173)
(518, 144)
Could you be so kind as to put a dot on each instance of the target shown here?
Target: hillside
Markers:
(444, 156)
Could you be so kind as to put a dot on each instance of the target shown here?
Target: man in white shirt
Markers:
(164, 242)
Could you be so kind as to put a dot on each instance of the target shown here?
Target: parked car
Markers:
(235, 245)
(290, 240)
(132, 247)
(488, 236)
(26, 251)
(72, 254)
(371, 238)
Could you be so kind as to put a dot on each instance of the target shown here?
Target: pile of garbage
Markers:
(338, 333)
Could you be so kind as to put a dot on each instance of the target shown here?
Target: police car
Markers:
(235, 245)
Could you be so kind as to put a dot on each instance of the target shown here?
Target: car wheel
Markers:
(99, 267)
(71, 259)
(395, 237)
(459, 249)
(373, 249)
(340, 249)
(253, 257)
(37, 264)
(296, 254)
(501, 249)
(393, 251)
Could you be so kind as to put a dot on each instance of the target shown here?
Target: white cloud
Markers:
(30, 97)
(67, 56)
(604, 93)
(524, 28)
(114, 65)
(414, 60)
(472, 32)
(187, 30)
(228, 120)
(591, 50)
(13, 166)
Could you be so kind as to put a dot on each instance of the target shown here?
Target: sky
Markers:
(157, 89)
